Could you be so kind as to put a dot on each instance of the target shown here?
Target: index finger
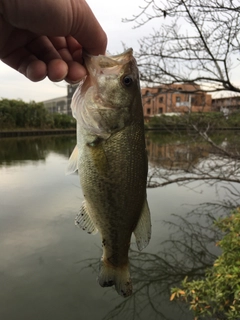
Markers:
(88, 32)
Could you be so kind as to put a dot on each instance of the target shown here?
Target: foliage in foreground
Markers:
(218, 294)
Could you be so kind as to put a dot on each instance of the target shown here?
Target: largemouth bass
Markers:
(111, 160)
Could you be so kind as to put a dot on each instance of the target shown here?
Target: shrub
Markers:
(218, 294)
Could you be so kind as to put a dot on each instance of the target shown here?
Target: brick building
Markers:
(162, 99)
(175, 98)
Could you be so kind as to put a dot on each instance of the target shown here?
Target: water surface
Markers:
(48, 267)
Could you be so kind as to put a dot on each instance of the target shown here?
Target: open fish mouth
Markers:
(106, 64)
(110, 86)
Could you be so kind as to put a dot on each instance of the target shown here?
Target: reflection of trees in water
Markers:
(212, 161)
(189, 250)
(175, 155)
(174, 159)
(18, 150)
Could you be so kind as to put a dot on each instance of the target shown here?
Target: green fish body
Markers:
(111, 160)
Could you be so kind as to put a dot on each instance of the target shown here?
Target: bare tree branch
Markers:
(198, 41)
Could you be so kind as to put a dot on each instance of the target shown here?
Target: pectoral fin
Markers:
(84, 221)
(142, 231)
(72, 162)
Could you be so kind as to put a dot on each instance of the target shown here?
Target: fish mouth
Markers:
(107, 65)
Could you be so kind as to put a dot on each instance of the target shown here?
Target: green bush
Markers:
(17, 114)
(63, 121)
(218, 294)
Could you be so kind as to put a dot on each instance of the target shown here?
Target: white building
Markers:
(61, 105)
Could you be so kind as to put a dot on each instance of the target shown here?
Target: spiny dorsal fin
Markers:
(142, 231)
(84, 221)
(72, 162)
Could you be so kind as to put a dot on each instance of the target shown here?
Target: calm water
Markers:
(48, 267)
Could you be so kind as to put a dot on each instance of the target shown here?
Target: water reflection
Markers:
(183, 151)
(175, 155)
(18, 150)
(181, 159)
(40, 248)
(189, 251)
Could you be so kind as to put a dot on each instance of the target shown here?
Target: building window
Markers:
(160, 99)
(148, 110)
(178, 99)
(160, 110)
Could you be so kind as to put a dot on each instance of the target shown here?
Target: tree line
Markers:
(17, 114)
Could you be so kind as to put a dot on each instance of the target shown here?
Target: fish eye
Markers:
(127, 80)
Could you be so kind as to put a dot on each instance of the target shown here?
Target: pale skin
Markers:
(45, 38)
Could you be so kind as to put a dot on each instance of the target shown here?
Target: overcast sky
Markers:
(110, 14)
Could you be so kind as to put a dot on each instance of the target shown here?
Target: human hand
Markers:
(46, 37)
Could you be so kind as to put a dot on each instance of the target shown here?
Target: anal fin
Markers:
(84, 221)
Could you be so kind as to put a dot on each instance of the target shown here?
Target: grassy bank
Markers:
(208, 120)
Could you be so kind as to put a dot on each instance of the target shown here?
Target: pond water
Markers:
(48, 267)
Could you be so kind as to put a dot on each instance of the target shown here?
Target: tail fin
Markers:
(118, 276)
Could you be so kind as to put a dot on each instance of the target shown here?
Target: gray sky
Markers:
(110, 14)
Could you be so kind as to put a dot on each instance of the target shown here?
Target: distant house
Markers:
(61, 105)
(71, 88)
(175, 98)
(57, 105)
(226, 103)
(165, 99)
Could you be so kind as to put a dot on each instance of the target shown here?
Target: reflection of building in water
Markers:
(175, 98)
(174, 156)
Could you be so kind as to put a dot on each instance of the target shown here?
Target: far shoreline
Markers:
(34, 132)
(43, 132)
